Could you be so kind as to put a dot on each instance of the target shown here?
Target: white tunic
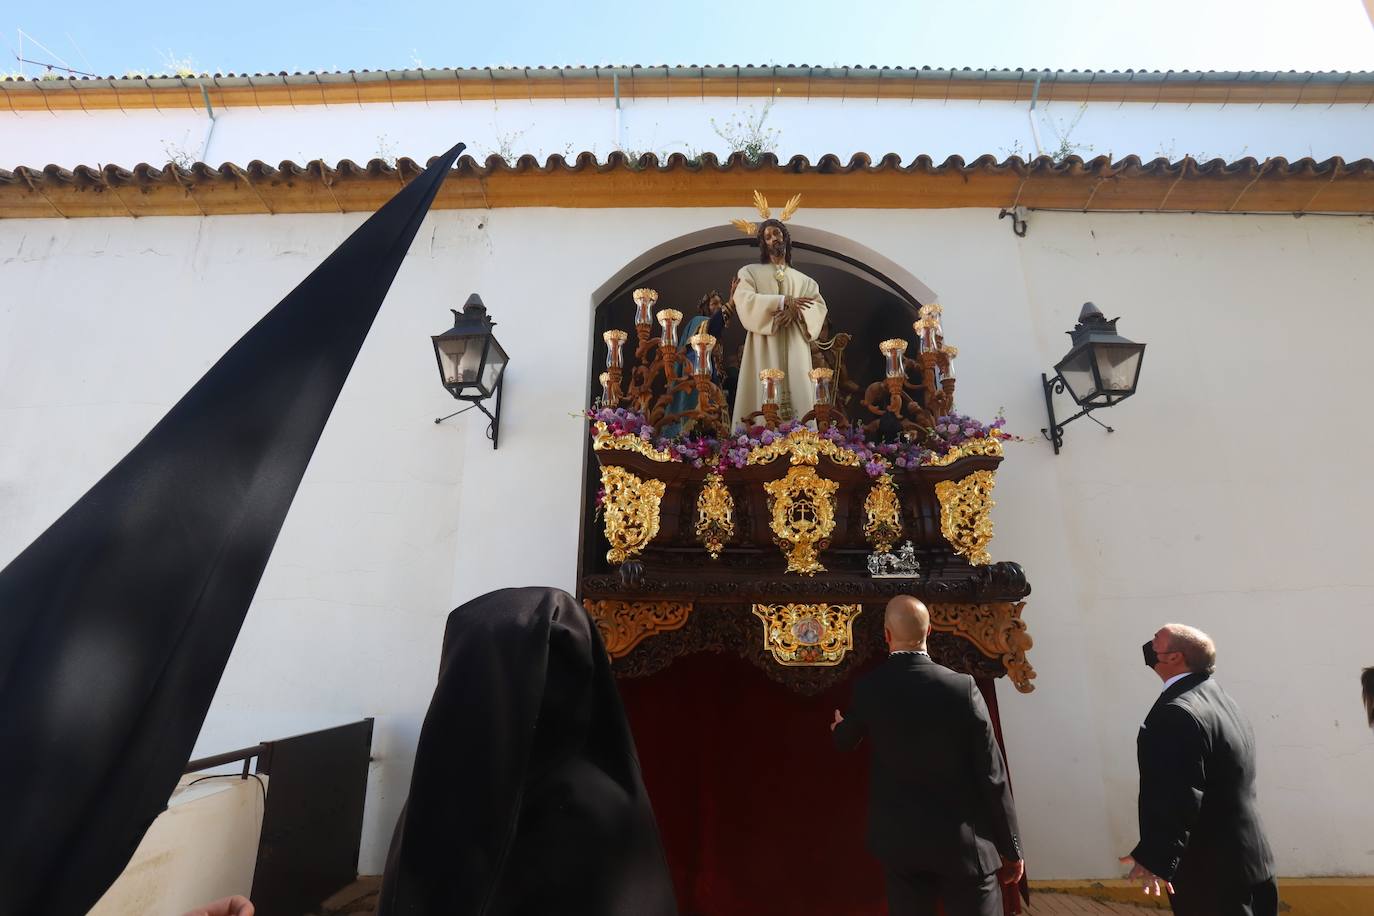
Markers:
(757, 299)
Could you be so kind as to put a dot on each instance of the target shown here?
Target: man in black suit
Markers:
(940, 814)
(1200, 832)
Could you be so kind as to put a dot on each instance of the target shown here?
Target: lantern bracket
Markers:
(494, 427)
(1055, 431)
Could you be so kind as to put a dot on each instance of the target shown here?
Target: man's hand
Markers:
(1011, 871)
(1149, 881)
(229, 906)
(838, 719)
(797, 302)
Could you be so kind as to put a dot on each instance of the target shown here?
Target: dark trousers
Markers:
(917, 893)
(1260, 899)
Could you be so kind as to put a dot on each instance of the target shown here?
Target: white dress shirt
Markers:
(1170, 682)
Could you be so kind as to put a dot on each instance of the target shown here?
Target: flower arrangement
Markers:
(877, 458)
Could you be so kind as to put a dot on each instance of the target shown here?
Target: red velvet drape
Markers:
(760, 815)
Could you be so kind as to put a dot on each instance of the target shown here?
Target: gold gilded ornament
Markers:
(715, 515)
(808, 634)
(790, 208)
(882, 515)
(803, 446)
(630, 511)
(996, 629)
(989, 447)
(766, 212)
(965, 514)
(761, 205)
(802, 516)
(604, 441)
(625, 624)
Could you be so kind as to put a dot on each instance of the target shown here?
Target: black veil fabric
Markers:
(526, 799)
(117, 622)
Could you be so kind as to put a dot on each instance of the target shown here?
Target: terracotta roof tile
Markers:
(1132, 184)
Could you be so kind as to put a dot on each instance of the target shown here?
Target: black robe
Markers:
(117, 622)
(526, 798)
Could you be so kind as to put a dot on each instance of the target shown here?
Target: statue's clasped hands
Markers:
(792, 308)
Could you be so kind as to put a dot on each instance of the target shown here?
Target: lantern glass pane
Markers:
(1117, 366)
(495, 364)
(461, 358)
(1077, 370)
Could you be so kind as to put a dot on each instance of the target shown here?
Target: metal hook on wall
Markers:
(1018, 220)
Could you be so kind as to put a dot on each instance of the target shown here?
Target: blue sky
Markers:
(1194, 34)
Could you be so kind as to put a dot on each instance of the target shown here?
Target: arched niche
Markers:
(868, 295)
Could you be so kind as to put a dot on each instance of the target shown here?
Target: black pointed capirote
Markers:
(117, 622)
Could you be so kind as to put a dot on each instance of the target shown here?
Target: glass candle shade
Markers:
(820, 384)
(615, 343)
(702, 346)
(894, 351)
(670, 320)
(605, 388)
(771, 379)
(645, 299)
(930, 332)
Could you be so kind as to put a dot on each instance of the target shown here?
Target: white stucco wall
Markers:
(1233, 494)
(812, 129)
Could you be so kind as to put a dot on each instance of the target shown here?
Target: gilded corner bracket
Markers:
(626, 624)
(998, 631)
(966, 514)
(630, 512)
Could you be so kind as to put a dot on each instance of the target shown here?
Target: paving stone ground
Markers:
(1047, 904)
(360, 899)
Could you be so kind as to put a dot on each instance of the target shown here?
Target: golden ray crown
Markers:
(761, 205)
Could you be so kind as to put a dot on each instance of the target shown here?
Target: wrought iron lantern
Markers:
(1101, 369)
(472, 364)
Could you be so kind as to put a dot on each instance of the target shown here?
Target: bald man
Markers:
(1200, 834)
(940, 814)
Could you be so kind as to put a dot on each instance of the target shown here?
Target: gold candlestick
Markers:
(824, 413)
(894, 351)
(770, 379)
(645, 299)
(669, 320)
(615, 342)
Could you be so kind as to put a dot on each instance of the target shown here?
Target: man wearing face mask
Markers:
(1200, 832)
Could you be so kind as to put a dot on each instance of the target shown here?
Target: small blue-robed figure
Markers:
(712, 317)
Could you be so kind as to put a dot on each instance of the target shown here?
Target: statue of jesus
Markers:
(782, 310)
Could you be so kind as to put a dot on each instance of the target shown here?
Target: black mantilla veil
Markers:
(526, 799)
(117, 622)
